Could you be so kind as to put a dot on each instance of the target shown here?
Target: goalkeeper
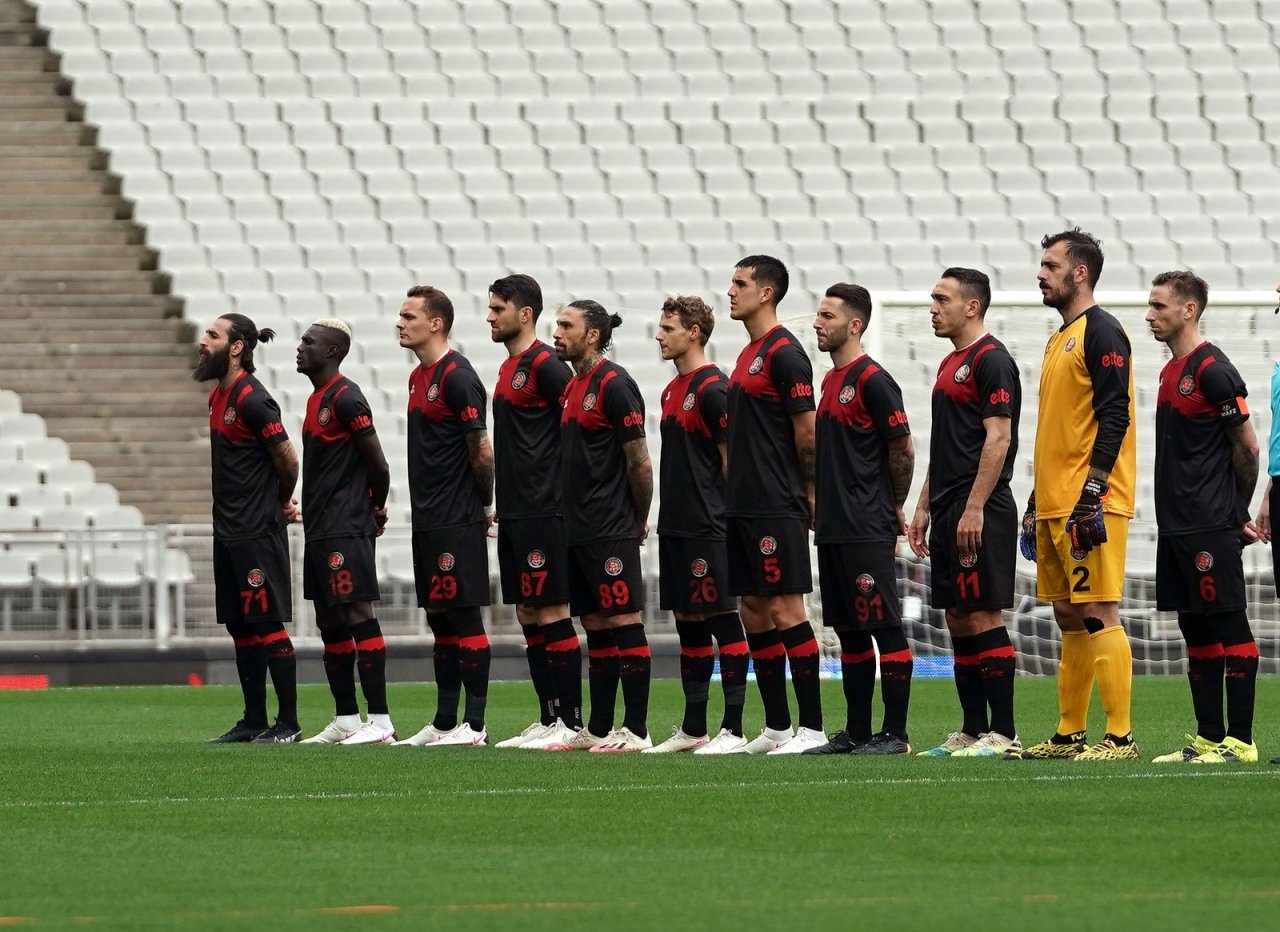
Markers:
(1077, 519)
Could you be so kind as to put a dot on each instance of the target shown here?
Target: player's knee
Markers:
(466, 622)
(1233, 629)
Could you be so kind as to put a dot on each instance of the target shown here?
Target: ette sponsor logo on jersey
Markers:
(756, 365)
(846, 394)
(445, 561)
(1112, 359)
(433, 393)
(803, 390)
(322, 418)
(865, 583)
(689, 401)
(536, 559)
(634, 419)
(968, 560)
(1186, 385)
(470, 413)
(768, 545)
(962, 373)
(1001, 397)
(361, 421)
(898, 419)
(1204, 561)
(274, 429)
(256, 578)
(229, 416)
(1071, 344)
(698, 567)
(336, 560)
(518, 380)
(613, 566)
(589, 402)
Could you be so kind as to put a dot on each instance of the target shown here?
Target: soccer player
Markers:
(1272, 493)
(255, 470)
(865, 463)
(345, 480)
(973, 543)
(1077, 520)
(1206, 470)
(692, 556)
(532, 553)
(607, 489)
(451, 489)
(769, 502)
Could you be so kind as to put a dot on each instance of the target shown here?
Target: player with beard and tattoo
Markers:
(532, 553)
(345, 481)
(254, 470)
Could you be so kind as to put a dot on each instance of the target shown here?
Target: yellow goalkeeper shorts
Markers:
(1099, 577)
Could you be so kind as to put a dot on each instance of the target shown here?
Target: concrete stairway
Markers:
(89, 334)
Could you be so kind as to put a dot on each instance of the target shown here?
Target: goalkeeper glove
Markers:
(1085, 526)
(1027, 539)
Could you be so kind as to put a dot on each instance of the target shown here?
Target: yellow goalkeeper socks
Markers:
(1113, 662)
(1075, 681)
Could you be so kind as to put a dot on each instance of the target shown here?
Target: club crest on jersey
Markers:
(698, 567)
(865, 583)
(589, 402)
(689, 401)
(322, 418)
(613, 566)
(256, 578)
(756, 365)
(336, 560)
(433, 393)
(445, 561)
(229, 416)
(1204, 561)
(1071, 344)
(536, 559)
(968, 560)
(1186, 385)
(846, 394)
(768, 545)
(962, 373)
(518, 380)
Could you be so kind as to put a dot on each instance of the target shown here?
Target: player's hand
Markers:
(969, 531)
(1027, 538)
(1250, 533)
(644, 532)
(812, 497)
(292, 513)
(1085, 526)
(380, 519)
(918, 533)
(902, 523)
(1262, 524)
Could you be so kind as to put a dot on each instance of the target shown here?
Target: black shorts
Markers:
(533, 561)
(1201, 573)
(769, 556)
(251, 579)
(982, 582)
(605, 577)
(340, 570)
(451, 567)
(692, 575)
(859, 585)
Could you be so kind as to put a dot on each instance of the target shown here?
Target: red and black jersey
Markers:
(603, 411)
(446, 401)
(1201, 399)
(526, 432)
(974, 383)
(695, 421)
(772, 381)
(335, 479)
(244, 422)
(861, 411)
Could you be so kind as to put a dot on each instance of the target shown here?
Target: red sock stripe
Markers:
(250, 641)
(772, 652)
(857, 657)
(1207, 652)
(267, 640)
(641, 651)
(898, 656)
(1241, 650)
(474, 642)
(564, 645)
(705, 653)
(340, 647)
(603, 653)
(807, 648)
(369, 644)
(535, 640)
(1006, 651)
(736, 649)
(967, 660)
(448, 640)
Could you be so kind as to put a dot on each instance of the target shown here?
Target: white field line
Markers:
(615, 788)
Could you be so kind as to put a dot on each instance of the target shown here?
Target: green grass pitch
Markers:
(115, 815)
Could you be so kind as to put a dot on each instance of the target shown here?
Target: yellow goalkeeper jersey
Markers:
(1086, 415)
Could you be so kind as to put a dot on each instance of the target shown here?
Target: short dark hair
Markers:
(520, 290)
(975, 284)
(1186, 286)
(856, 298)
(1082, 249)
(767, 270)
(435, 301)
(597, 318)
(691, 310)
(242, 328)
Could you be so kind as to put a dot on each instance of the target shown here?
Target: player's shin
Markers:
(735, 657)
(998, 665)
(697, 661)
(769, 657)
(282, 662)
(602, 676)
(474, 659)
(1240, 652)
(444, 660)
(969, 687)
(858, 678)
(371, 663)
(564, 661)
(896, 665)
(1113, 665)
(634, 671)
(1205, 668)
(535, 651)
(802, 653)
(251, 667)
(339, 660)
